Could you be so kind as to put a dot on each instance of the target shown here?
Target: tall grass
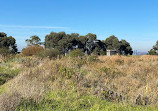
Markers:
(113, 83)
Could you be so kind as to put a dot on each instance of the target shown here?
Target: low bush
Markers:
(32, 50)
(50, 53)
(66, 72)
(76, 53)
(4, 52)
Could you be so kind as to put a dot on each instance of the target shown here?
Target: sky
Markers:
(136, 21)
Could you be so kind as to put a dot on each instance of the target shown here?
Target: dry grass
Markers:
(127, 76)
(136, 75)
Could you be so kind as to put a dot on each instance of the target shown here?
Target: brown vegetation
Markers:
(124, 79)
(32, 50)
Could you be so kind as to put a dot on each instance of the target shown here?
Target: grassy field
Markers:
(90, 83)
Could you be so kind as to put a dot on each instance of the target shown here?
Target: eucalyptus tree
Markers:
(8, 42)
(122, 47)
(112, 43)
(125, 48)
(52, 39)
(91, 36)
(34, 40)
(154, 50)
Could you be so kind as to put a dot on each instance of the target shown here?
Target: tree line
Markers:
(65, 43)
(88, 43)
(154, 50)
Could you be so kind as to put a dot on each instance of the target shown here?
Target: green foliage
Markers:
(6, 73)
(112, 43)
(88, 43)
(125, 48)
(76, 53)
(154, 50)
(51, 40)
(108, 72)
(62, 41)
(2, 89)
(34, 40)
(32, 50)
(2, 34)
(68, 42)
(4, 52)
(95, 47)
(8, 42)
(102, 52)
(122, 47)
(155, 47)
(66, 72)
(83, 40)
(96, 51)
(91, 36)
(50, 53)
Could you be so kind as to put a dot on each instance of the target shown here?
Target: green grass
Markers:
(7, 73)
(2, 89)
(72, 101)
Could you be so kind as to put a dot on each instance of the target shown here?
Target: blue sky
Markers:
(133, 20)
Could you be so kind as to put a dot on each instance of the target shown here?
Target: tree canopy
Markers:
(8, 42)
(65, 43)
(91, 36)
(122, 47)
(154, 50)
(88, 43)
(34, 40)
(112, 43)
(125, 48)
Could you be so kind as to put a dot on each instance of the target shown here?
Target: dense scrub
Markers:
(82, 83)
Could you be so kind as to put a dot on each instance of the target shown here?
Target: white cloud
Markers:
(34, 27)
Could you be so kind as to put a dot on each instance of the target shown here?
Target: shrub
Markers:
(4, 52)
(76, 53)
(66, 72)
(32, 50)
(51, 53)
(152, 52)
